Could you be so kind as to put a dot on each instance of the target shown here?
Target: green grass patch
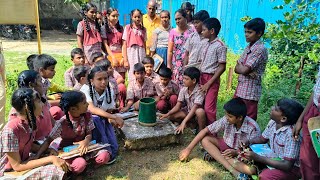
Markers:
(16, 63)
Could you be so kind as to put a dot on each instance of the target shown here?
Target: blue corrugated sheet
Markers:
(229, 12)
(126, 6)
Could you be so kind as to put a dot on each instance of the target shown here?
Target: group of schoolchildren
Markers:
(95, 90)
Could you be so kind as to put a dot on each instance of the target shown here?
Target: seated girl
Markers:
(45, 122)
(17, 140)
(76, 128)
(101, 101)
(115, 80)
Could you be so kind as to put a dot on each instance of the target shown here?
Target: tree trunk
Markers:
(229, 78)
(298, 84)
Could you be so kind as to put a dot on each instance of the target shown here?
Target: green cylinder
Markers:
(147, 112)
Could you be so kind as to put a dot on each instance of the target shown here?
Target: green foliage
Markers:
(80, 2)
(294, 38)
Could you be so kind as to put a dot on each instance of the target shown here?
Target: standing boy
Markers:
(77, 58)
(192, 98)
(251, 66)
(193, 43)
(213, 63)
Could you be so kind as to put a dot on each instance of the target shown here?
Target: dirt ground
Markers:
(156, 164)
(52, 42)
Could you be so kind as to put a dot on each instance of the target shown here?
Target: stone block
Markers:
(140, 137)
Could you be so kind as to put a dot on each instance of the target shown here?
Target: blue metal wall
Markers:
(228, 12)
(126, 6)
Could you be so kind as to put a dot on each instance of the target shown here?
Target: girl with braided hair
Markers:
(90, 36)
(17, 140)
(101, 101)
(45, 121)
(134, 42)
(76, 128)
(114, 38)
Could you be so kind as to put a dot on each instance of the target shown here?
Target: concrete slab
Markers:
(141, 137)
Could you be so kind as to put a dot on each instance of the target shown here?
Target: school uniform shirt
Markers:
(316, 91)
(194, 45)
(172, 86)
(135, 39)
(114, 85)
(196, 97)
(92, 40)
(116, 75)
(282, 143)
(69, 79)
(77, 87)
(254, 57)
(45, 85)
(212, 54)
(135, 92)
(100, 101)
(18, 137)
(114, 40)
(81, 126)
(154, 77)
(44, 124)
(231, 136)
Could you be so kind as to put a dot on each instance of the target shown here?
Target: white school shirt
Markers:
(97, 98)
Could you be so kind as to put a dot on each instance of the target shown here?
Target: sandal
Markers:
(111, 161)
(207, 157)
(242, 176)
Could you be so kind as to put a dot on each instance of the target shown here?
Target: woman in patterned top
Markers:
(176, 51)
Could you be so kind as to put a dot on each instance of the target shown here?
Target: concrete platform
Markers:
(141, 137)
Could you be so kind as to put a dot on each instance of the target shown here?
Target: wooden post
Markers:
(38, 25)
(298, 84)
(229, 78)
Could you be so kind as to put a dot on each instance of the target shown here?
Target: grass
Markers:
(146, 164)
(162, 163)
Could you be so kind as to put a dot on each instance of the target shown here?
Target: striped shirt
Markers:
(281, 142)
(212, 54)
(254, 57)
(231, 136)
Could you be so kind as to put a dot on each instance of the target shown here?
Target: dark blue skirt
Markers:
(104, 133)
(163, 53)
